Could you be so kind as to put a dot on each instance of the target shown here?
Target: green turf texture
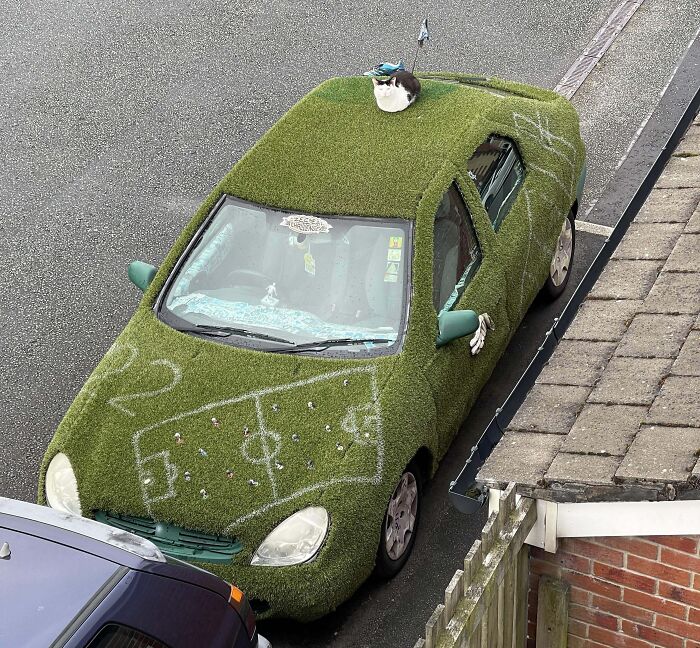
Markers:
(335, 152)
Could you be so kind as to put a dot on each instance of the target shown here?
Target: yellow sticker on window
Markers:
(396, 242)
(309, 264)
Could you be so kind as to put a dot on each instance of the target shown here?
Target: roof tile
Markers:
(674, 292)
(655, 336)
(626, 279)
(591, 469)
(602, 319)
(666, 454)
(678, 402)
(630, 381)
(605, 429)
(521, 457)
(577, 363)
(550, 409)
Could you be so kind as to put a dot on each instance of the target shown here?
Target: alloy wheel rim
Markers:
(400, 521)
(561, 261)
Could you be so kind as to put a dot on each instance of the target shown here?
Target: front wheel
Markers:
(400, 524)
(560, 267)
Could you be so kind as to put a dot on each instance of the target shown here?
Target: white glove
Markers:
(477, 342)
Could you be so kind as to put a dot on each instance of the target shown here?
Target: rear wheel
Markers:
(560, 267)
(400, 523)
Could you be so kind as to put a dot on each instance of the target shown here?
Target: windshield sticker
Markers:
(393, 255)
(391, 273)
(306, 224)
(309, 264)
(271, 298)
(396, 242)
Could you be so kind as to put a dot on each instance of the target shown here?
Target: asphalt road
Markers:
(117, 117)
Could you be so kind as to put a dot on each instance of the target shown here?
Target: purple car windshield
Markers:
(43, 586)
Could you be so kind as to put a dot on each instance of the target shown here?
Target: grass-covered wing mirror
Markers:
(456, 324)
(141, 274)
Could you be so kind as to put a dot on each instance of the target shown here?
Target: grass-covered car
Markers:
(301, 360)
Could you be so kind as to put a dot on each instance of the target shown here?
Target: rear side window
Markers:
(119, 636)
(457, 255)
(497, 169)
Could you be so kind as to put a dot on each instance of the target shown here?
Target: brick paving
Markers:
(618, 403)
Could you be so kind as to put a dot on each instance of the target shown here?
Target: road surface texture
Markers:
(117, 118)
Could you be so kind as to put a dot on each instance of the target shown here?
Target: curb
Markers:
(625, 194)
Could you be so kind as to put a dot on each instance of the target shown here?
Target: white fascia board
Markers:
(600, 519)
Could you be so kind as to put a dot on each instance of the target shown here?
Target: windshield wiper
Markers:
(226, 331)
(322, 345)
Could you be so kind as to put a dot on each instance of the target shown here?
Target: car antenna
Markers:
(423, 37)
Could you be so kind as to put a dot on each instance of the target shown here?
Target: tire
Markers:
(560, 266)
(398, 533)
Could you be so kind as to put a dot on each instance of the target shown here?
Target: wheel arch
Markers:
(425, 460)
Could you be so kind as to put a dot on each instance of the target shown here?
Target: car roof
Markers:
(335, 152)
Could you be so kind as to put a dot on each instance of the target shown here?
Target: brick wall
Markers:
(625, 592)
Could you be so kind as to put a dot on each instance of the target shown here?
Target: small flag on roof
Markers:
(423, 34)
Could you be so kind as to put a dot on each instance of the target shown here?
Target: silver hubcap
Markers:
(561, 260)
(401, 516)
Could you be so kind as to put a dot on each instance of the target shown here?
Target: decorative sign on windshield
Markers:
(306, 224)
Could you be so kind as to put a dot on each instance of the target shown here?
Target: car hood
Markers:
(208, 436)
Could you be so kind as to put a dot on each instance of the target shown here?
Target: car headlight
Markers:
(295, 540)
(61, 486)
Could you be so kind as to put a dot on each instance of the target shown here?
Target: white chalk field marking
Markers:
(370, 411)
(267, 456)
(117, 401)
(133, 354)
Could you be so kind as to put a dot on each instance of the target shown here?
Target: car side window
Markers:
(497, 169)
(119, 636)
(456, 252)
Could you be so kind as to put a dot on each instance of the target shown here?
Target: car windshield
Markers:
(287, 282)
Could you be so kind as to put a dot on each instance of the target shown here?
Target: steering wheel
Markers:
(249, 278)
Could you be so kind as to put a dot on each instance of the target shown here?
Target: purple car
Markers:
(73, 582)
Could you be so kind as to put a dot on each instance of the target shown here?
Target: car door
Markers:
(526, 216)
(466, 275)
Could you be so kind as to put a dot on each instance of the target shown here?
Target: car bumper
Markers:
(302, 592)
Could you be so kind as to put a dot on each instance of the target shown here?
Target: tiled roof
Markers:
(615, 414)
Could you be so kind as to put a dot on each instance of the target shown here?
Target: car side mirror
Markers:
(141, 274)
(456, 324)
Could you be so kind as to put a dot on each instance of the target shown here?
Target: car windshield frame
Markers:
(250, 341)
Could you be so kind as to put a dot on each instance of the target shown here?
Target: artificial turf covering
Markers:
(333, 153)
